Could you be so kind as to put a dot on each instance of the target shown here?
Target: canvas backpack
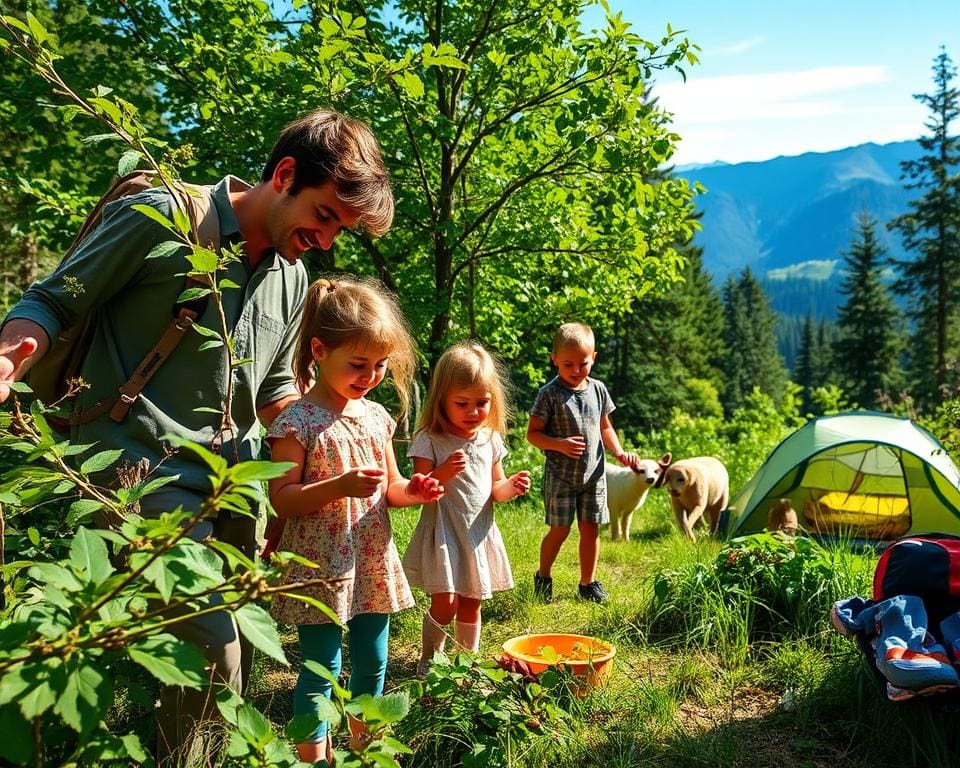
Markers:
(49, 377)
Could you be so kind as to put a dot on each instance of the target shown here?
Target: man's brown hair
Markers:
(329, 146)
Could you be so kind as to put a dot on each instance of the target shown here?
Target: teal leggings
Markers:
(323, 643)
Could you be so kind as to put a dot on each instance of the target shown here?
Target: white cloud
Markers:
(767, 96)
(736, 49)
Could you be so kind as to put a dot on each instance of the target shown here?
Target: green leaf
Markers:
(129, 161)
(338, 690)
(181, 221)
(259, 628)
(16, 746)
(41, 695)
(56, 576)
(81, 510)
(85, 698)
(37, 29)
(203, 260)
(256, 471)
(171, 661)
(20, 387)
(325, 609)
(207, 408)
(158, 574)
(164, 249)
(153, 213)
(212, 344)
(236, 560)
(302, 727)
(146, 488)
(254, 726)
(193, 293)
(88, 554)
(100, 461)
(34, 536)
(208, 332)
(217, 463)
(410, 83)
(380, 709)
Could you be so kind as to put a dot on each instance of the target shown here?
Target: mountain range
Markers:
(792, 218)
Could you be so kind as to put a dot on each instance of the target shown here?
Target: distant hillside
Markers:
(790, 210)
(791, 218)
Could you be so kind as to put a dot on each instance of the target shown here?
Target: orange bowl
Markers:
(588, 658)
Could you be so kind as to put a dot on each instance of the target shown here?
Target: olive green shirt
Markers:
(133, 298)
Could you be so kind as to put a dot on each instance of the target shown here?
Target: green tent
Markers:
(862, 476)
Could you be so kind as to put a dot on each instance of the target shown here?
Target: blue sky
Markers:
(783, 78)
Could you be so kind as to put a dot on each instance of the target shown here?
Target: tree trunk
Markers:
(28, 262)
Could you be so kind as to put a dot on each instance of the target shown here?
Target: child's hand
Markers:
(455, 464)
(423, 489)
(629, 460)
(573, 446)
(361, 482)
(520, 482)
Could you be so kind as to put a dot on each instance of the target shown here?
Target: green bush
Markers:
(475, 713)
(758, 589)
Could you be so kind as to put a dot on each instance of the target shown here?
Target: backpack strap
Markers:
(205, 223)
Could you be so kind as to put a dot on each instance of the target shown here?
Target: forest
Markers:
(531, 167)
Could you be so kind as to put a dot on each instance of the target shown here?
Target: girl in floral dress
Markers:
(334, 500)
(456, 553)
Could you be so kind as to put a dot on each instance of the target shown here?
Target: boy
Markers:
(570, 421)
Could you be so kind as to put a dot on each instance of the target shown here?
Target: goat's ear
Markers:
(665, 459)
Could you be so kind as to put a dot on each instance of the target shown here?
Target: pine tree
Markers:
(824, 364)
(931, 229)
(869, 344)
(666, 352)
(750, 336)
(803, 372)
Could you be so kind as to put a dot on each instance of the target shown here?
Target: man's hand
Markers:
(361, 482)
(10, 361)
(572, 446)
(630, 460)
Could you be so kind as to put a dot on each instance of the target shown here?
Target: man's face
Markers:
(573, 365)
(311, 218)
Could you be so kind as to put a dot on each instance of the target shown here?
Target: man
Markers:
(325, 174)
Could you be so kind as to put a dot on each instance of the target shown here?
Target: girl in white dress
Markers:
(456, 554)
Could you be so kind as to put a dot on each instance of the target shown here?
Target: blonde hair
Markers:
(574, 336)
(466, 365)
(359, 312)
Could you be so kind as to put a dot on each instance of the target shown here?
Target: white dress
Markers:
(456, 546)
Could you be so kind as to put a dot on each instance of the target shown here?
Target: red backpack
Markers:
(927, 566)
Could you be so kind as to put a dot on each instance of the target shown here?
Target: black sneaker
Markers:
(542, 587)
(593, 591)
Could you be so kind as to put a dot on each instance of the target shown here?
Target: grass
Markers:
(697, 680)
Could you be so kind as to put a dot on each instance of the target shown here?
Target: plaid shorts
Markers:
(563, 502)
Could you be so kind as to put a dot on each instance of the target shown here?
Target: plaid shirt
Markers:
(566, 412)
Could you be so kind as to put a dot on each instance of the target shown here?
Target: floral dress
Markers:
(349, 539)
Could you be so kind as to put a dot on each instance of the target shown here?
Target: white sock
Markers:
(433, 637)
(468, 635)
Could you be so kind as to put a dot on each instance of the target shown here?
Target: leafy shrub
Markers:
(758, 588)
(477, 714)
